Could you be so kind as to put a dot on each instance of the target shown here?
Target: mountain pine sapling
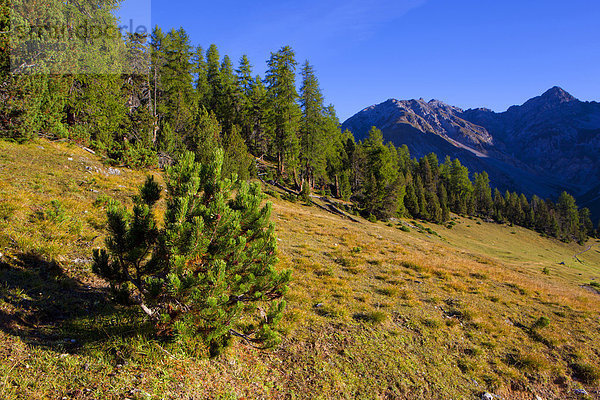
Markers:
(210, 271)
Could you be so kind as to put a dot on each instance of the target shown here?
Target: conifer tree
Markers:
(443, 198)
(178, 100)
(499, 206)
(210, 271)
(568, 216)
(586, 227)
(237, 159)
(312, 133)
(411, 202)
(483, 194)
(421, 199)
(245, 83)
(227, 96)
(204, 137)
(339, 165)
(157, 61)
(201, 71)
(258, 119)
(460, 187)
(285, 111)
(244, 75)
(138, 128)
(213, 76)
(433, 208)
(381, 193)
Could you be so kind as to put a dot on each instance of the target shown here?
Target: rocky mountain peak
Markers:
(558, 94)
(547, 102)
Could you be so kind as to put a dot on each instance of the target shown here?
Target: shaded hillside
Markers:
(553, 133)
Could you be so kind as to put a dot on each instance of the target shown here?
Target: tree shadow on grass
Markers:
(46, 308)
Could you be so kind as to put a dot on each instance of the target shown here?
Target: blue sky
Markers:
(465, 52)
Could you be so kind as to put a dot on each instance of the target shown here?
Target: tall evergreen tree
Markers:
(382, 194)
(285, 113)
(312, 133)
(178, 104)
(245, 83)
(258, 118)
(483, 194)
(213, 76)
(568, 216)
(201, 71)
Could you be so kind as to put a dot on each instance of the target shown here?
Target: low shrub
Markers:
(373, 317)
(585, 373)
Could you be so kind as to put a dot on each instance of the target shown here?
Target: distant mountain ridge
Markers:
(548, 144)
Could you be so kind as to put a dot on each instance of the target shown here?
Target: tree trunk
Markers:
(296, 182)
(280, 169)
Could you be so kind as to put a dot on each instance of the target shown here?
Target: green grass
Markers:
(373, 311)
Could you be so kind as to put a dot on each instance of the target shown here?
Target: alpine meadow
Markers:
(176, 223)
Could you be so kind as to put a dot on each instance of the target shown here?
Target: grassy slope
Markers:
(373, 312)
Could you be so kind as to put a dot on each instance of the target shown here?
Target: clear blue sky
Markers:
(469, 53)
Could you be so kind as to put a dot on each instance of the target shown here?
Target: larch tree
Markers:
(285, 112)
(313, 141)
(258, 119)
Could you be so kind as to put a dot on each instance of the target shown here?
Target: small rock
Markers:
(319, 305)
(581, 391)
(487, 396)
(70, 158)
(114, 171)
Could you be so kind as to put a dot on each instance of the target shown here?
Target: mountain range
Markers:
(549, 144)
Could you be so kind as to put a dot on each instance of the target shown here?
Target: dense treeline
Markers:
(394, 184)
(173, 97)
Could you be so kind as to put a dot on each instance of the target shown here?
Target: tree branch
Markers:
(249, 341)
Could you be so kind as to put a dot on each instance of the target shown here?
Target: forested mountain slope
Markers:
(548, 144)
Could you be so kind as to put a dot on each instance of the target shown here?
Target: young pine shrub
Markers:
(210, 271)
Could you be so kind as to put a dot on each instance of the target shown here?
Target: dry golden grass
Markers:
(373, 312)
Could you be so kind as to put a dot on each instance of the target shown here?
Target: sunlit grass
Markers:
(373, 311)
